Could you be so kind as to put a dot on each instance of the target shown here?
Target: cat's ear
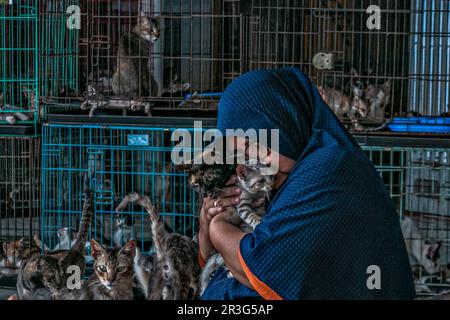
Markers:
(96, 249)
(5, 247)
(354, 73)
(20, 242)
(241, 171)
(129, 249)
(143, 19)
(432, 251)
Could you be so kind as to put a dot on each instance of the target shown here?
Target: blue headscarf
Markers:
(332, 223)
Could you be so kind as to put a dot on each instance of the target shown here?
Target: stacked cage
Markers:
(19, 145)
(371, 60)
(115, 161)
(141, 56)
(418, 180)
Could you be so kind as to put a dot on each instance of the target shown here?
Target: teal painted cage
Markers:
(18, 62)
(117, 160)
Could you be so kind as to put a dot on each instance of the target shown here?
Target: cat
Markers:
(123, 230)
(113, 275)
(49, 271)
(176, 268)
(66, 240)
(15, 253)
(343, 105)
(11, 117)
(371, 98)
(132, 77)
(255, 186)
(209, 180)
(420, 252)
(144, 268)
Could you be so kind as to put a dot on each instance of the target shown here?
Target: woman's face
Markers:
(282, 164)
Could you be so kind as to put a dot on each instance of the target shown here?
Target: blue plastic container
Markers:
(421, 125)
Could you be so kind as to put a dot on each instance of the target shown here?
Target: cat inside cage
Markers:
(142, 55)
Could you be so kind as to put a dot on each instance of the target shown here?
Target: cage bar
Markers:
(196, 52)
(19, 193)
(117, 161)
(418, 180)
(18, 62)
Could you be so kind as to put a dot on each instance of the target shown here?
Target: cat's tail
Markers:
(86, 217)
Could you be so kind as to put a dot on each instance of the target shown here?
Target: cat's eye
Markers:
(102, 268)
(121, 269)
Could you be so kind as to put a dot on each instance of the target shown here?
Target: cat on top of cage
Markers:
(132, 77)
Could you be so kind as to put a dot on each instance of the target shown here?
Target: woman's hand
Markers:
(210, 209)
(229, 198)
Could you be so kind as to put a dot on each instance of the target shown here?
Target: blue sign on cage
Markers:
(138, 140)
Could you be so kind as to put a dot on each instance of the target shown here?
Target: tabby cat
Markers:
(113, 278)
(256, 187)
(176, 268)
(48, 271)
(132, 77)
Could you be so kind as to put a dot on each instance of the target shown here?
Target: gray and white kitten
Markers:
(256, 186)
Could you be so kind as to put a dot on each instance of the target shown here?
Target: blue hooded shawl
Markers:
(332, 223)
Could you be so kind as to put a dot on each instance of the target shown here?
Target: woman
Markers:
(331, 231)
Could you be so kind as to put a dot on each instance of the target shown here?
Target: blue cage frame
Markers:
(117, 160)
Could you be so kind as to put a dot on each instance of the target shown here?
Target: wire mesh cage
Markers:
(19, 199)
(418, 180)
(372, 60)
(117, 161)
(18, 62)
(140, 55)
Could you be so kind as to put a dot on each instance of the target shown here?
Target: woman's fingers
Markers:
(232, 181)
(230, 192)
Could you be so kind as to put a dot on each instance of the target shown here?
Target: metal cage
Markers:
(195, 55)
(19, 192)
(18, 62)
(116, 161)
(398, 69)
(418, 180)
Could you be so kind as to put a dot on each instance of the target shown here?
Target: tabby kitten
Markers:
(176, 267)
(132, 77)
(256, 187)
(113, 278)
(48, 271)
